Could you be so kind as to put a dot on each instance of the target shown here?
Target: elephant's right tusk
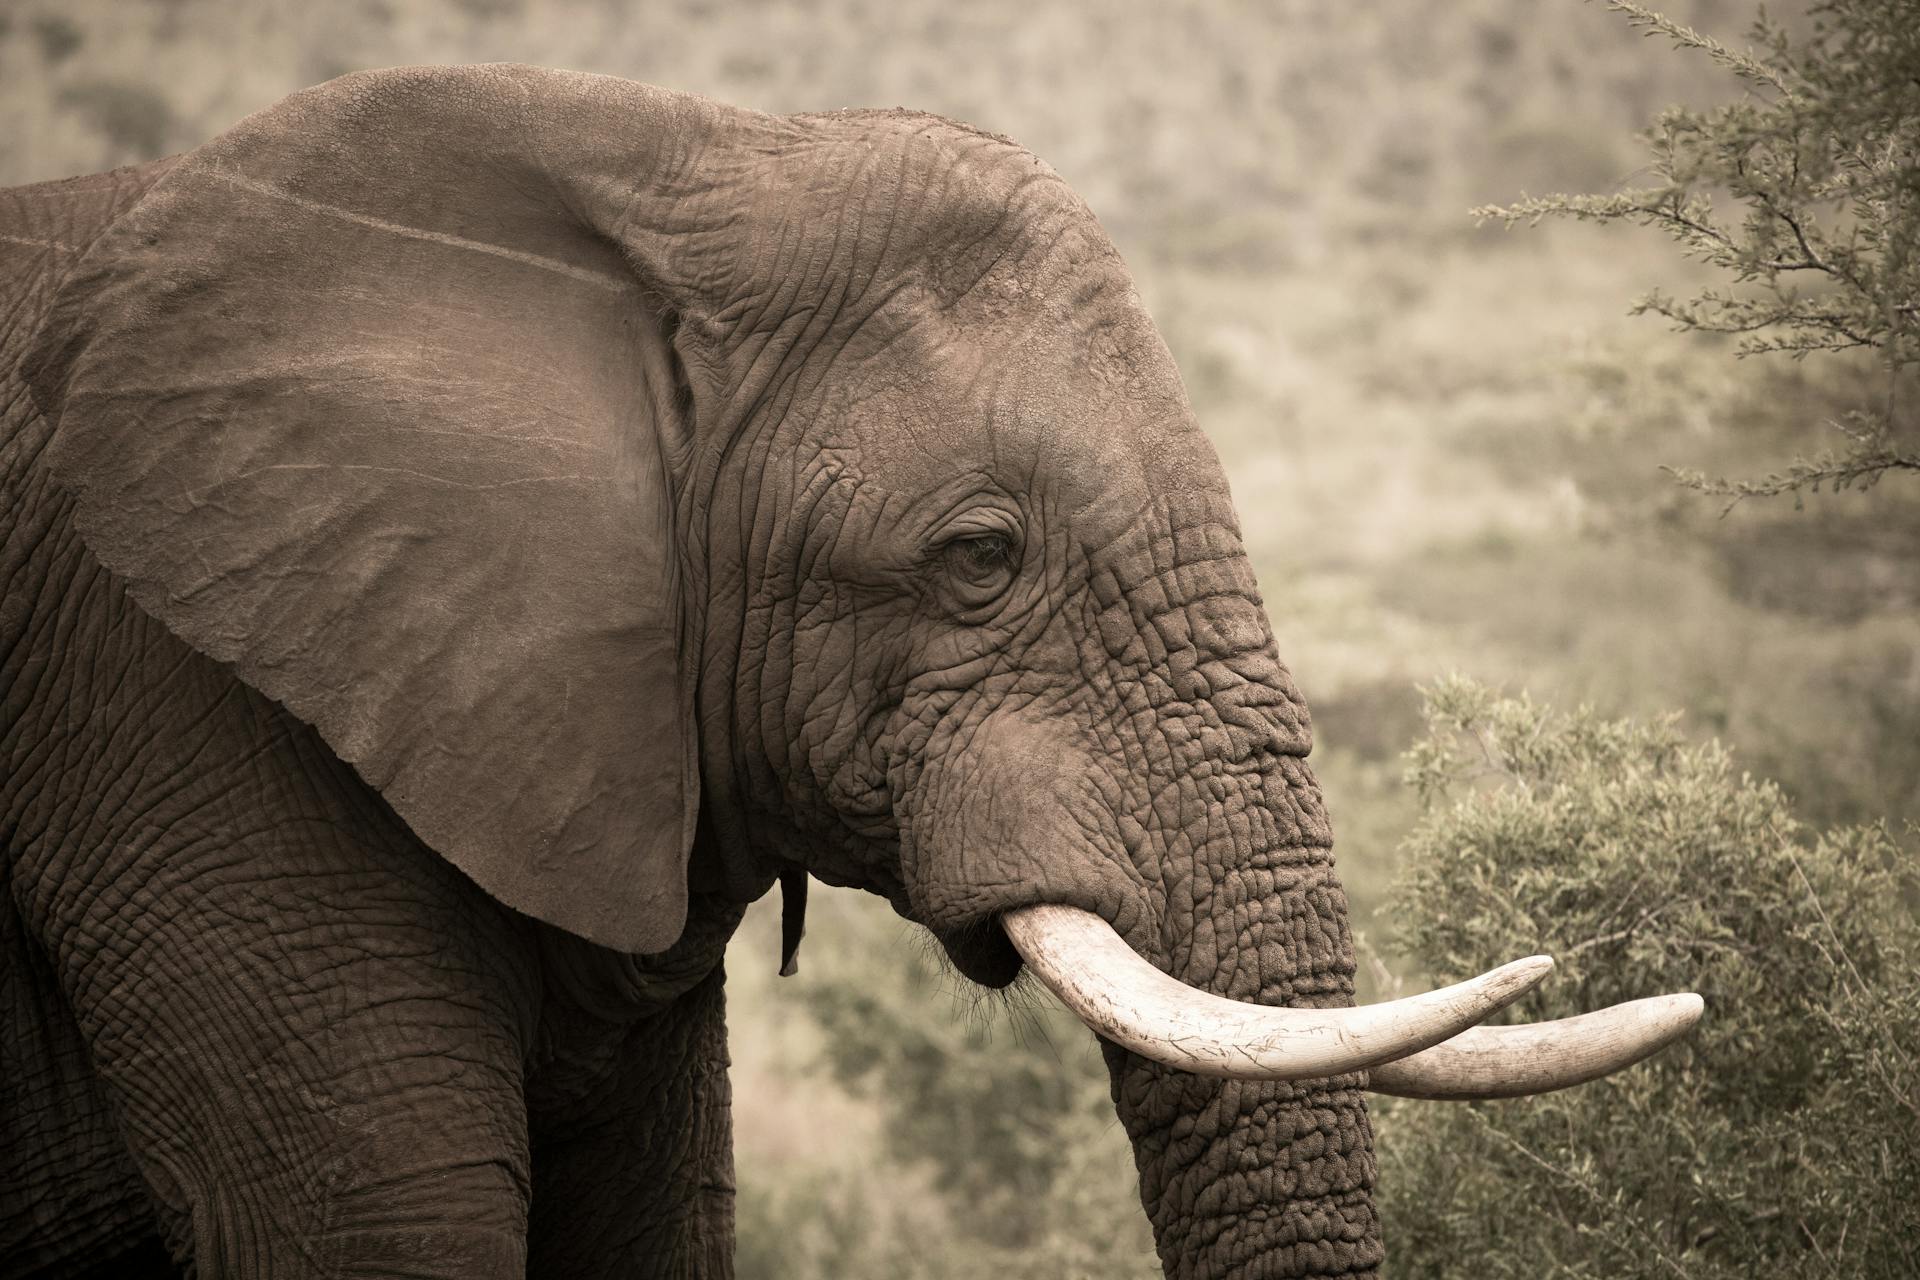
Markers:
(1509, 1062)
(1115, 991)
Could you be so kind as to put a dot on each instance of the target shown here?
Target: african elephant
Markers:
(469, 531)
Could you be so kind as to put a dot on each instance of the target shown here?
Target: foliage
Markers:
(993, 1160)
(825, 1225)
(1823, 155)
(1783, 1137)
(1018, 1142)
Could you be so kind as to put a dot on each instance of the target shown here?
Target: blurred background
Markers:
(1444, 440)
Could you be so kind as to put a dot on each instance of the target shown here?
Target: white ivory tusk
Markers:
(1121, 996)
(1508, 1062)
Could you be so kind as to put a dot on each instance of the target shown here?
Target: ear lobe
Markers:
(358, 402)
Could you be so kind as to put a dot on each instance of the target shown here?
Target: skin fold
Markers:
(468, 532)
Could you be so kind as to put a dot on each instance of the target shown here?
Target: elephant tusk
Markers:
(1509, 1062)
(1115, 991)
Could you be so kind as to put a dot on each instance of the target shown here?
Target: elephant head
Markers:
(646, 495)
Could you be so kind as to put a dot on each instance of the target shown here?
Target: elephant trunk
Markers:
(1160, 783)
(1255, 1177)
(1238, 901)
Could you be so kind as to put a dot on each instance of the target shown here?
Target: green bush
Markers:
(996, 1153)
(1006, 1111)
(880, 1221)
(1783, 1137)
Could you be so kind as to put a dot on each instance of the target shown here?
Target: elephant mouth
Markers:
(983, 952)
(1427, 1046)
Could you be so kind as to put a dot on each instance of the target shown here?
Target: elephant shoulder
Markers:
(46, 228)
(47, 231)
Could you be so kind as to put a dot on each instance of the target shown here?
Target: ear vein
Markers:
(612, 284)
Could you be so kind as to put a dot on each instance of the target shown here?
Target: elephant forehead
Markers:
(1080, 404)
(860, 225)
(983, 323)
(1029, 411)
(903, 193)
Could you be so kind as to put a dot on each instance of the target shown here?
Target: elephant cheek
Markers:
(1017, 819)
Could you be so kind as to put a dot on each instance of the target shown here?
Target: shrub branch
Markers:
(1822, 155)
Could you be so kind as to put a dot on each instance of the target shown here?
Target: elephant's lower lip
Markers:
(982, 953)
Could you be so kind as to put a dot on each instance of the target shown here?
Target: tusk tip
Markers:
(1517, 977)
(1510, 1062)
(1666, 1018)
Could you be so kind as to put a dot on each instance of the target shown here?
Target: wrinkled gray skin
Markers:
(466, 532)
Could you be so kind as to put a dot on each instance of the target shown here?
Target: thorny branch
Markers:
(1829, 130)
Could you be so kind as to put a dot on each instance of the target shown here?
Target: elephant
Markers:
(469, 531)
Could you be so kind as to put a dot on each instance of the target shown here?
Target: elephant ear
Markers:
(366, 401)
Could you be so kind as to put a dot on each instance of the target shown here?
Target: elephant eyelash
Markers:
(984, 552)
(981, 566)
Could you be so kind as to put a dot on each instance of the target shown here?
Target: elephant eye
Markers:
(982, 562)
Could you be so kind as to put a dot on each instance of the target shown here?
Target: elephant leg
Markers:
(312, 1028)
(71, 1202)
(633, 1146)
(313, 1089)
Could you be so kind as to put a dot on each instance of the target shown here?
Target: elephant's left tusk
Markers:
(1510, 1062)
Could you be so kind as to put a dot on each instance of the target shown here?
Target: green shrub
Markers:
(987, 1147)
(1006, 1111)
(880, 1221)
(1783, 1137)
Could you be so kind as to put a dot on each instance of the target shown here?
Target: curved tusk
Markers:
(1509, 1062)
(1124, 998)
